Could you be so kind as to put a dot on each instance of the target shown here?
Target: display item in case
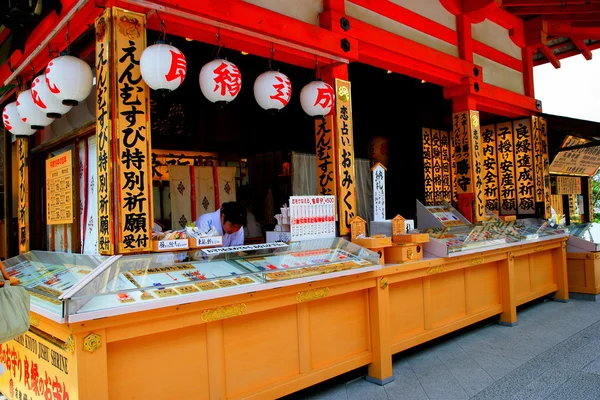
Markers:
(439, 216)
(96, 287)
(584, 237)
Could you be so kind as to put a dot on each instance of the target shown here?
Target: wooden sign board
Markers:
(428, 167)
(506, 168)
(524, 171)
(59, 189)
(326, 160)
(23, 214)
(378, 171)
(398, 226)
(581, 162)
(489, 164)
(359, 227)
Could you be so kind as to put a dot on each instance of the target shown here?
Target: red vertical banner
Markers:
(346, 195)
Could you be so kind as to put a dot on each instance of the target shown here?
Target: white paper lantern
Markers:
(69, 79)
(317, 98)
(163, 67)
(30, 113)
(272, 90)
(12, 121)
(220, 81)
(45, 100)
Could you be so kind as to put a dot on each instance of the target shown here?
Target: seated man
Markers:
(228, 222)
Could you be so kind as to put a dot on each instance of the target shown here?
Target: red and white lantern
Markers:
(272, 90)
(163, 67)
(220, 81)
(317, 98)
(69, 79)
(45, 100)
(12, 121)
(30, 113)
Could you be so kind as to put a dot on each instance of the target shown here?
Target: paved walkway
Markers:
(553, 353)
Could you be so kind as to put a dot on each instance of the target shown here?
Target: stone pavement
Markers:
(553, 353)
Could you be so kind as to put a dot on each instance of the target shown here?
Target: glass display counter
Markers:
(468, 239)
(73, 287)
(584, 237)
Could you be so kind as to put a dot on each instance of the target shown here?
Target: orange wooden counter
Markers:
(263, 345)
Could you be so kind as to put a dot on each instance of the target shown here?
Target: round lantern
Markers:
(12, 121)
(69, 79)
(378, 150)
(163, 67)
(45, 100)
(220, 81)
(317, 98)
(272, 90)
(30, 113)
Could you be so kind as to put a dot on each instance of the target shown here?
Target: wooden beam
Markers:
(550, 56)
(585, 52)
(566, 29)
(498, 56)
(547, 10)
(465, 37)
(567, 54)
(479, 6)
(573, 17)
(527, 56)
(538, 3)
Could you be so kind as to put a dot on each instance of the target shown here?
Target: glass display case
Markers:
(467, 239)
(584, 237)
(74, 287)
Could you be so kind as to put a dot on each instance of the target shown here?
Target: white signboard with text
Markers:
(378, 192)
(312, 217)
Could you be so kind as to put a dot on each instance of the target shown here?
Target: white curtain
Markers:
(304, 181)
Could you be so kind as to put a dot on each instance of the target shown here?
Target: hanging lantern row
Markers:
(164, 67)
(66, 81)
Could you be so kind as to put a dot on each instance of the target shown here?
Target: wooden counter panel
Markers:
(577, 275)
(172, 363)
(583, 270)
(407, 313)
(260, 349)
(543, 271)
(448, 297)
(330, 319)
(522, 277)
(483, 288)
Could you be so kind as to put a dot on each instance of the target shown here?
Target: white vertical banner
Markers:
(378, 172)
(312, 217)
(90, 243)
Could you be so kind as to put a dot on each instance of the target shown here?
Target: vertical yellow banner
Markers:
(538, 159)
(506, 168)
(428, 167)
(436, 156)
(524, 166)
(132, 117)
(476, 156)
(345, 156)
(556, 202)
(490, 168)
(326, 177)
(546, 164)
(104, 133)
(59, 189)
(590, 200)
(446, 176)
(22, 144)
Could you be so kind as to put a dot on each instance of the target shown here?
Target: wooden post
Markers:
(380, 370)
(92, 365)
(509, 297)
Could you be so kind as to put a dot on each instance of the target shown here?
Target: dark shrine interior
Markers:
(383, 104)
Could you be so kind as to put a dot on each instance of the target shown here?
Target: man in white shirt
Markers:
(229, 222)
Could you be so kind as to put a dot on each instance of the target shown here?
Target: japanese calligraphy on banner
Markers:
(436, 153)
(466, 158)
(445, 156)
(378, 171)
(132, 133)
(490, 168)
(556, 202)
(428, 167)
(524, 166)
(538, 159)
(59, 189)
(345, 157)
(583, 162)
(546, 164)
(37, 369)
(506, 168)
(104, 133)
(23, 217)
(568, 185)
(326, 179)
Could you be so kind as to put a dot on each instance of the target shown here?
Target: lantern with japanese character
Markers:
(12, 121)
(30, 113)
(220, 81)
(272, 90)
(45, 100)
(69, 79)
(163, 67)
(317, 98)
